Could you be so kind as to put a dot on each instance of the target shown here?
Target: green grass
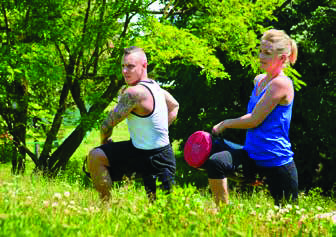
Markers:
(32, 205)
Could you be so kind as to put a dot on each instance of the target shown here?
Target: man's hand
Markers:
(172, 105)
(105, 132)
(106, 141)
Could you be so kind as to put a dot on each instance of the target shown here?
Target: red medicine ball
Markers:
(197, 148)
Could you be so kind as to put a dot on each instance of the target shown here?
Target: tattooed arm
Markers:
(127, 102)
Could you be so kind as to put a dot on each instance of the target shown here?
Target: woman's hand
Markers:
(218, 128)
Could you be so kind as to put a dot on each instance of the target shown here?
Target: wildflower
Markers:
(72, 202)
(72, 208)
(58, 196)
(319, 208)
(258, 206)
(66, 211)
(270, 212)
(55, 204)
(331, 216)
(46, 203)
(193, 213)
(253, 213)
(67, 194)
(289, 207)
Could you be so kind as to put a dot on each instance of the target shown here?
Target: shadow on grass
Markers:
(187, 175)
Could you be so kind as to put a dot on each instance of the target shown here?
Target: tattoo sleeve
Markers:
(125, 105)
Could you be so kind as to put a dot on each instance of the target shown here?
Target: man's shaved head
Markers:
(139, 52)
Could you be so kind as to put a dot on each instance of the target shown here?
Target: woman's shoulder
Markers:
(258, 78)
(283, 80)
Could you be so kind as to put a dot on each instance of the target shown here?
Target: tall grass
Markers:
(32, 205)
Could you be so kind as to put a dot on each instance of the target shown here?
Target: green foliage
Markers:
(311, 24)
(295, 75)
(233, 26)
(7, 151)
(169, 45)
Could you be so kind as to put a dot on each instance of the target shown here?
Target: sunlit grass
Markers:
(32, 205)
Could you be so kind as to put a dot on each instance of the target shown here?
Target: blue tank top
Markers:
(269, 144)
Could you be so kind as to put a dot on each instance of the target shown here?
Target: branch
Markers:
(75, 92)
(278, 10)
(51, 135)
(31, 154)
(95, 53)
(61, 55)
(6, 22)
(127, 21)
(80, 54)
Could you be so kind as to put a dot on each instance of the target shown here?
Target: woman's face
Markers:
(268, 57)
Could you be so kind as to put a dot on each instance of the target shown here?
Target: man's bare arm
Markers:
(127, 102)
(173, 107)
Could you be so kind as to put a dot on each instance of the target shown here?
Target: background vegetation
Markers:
(60, 69)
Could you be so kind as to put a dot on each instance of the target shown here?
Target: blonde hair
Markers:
(282, 44)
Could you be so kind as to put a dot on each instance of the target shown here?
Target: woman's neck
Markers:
(274, 74)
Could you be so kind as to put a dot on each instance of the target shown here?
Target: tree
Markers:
(65, 48)
(232, 29)
(312, 23)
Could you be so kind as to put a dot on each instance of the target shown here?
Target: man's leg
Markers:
(220, 191)
(150, 186)
(97, 165)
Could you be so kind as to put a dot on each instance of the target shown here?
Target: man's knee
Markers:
(97, 158)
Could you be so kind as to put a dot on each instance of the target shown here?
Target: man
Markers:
(149, 110)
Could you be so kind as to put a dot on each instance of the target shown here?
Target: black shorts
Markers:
(125, 159)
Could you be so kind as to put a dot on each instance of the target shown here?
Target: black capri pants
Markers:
(282, 180)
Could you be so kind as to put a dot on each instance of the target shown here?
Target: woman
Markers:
(267, 149)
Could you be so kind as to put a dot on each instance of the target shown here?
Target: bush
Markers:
(7, 150)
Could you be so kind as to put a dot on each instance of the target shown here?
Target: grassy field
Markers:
(31, 205)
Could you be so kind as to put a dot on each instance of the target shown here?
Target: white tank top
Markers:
(150, 131)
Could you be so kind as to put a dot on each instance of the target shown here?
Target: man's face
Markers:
(133, 68)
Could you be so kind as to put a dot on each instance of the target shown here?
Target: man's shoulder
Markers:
(137, 91)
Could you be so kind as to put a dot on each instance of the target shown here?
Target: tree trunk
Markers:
(62, 155)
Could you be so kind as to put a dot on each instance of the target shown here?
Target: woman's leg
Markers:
(219, 166)
(220, 191)
(282, 182)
